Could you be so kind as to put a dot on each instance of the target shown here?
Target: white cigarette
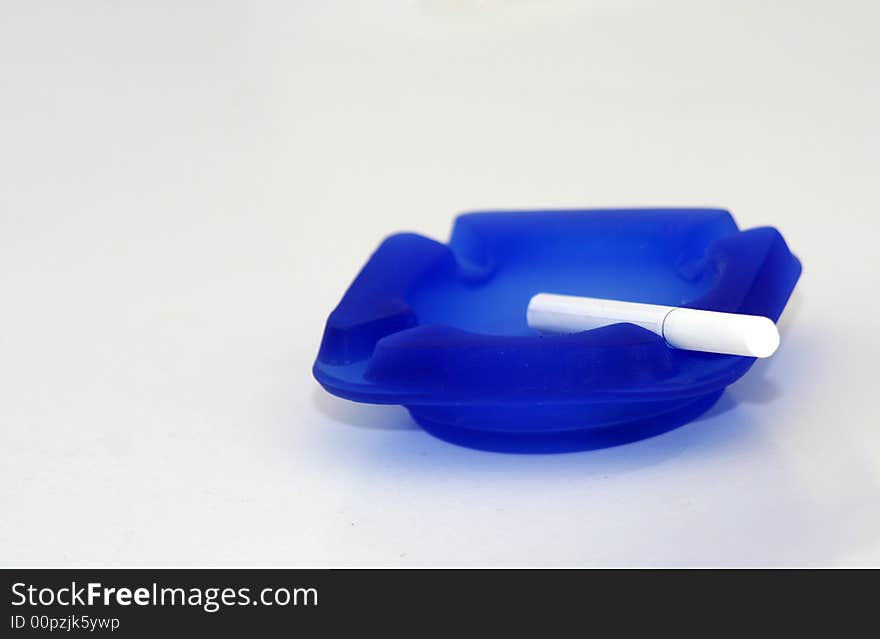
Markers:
(685, 328)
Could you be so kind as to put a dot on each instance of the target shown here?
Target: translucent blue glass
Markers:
(441, 328)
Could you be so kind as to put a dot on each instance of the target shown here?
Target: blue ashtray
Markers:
(441, 328)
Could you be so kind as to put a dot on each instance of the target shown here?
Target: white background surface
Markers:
(186, 189)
